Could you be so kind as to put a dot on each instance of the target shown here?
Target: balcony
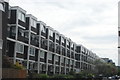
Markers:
(50, 61)
(63, 64)
(12, 35)
(57, 62)
(42, 60)
(23, 39)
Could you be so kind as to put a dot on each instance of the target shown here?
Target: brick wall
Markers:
(13, 73)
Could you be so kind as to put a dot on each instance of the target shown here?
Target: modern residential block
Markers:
(39, 47)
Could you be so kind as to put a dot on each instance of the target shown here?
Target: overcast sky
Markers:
(92, 23)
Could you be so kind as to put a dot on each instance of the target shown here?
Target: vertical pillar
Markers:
(1, 40)
(1, 58)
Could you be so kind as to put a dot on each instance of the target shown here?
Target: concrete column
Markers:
(1, 58)
(47, 52)
(39, 49)
(1, 42)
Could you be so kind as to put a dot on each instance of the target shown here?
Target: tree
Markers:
(106, 69)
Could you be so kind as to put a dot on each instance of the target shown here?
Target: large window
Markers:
(57, 37)
(56, 58)
(20, 48)
(13, 29)
(72, 45)
(67, 43)
(20, 32)
(21, 16)
(43, 29)
(42, 54)
(62, 59)
(49, 56)
(51, 33)
(66, 61)
(26, 34)
(32, 51)
(33, 23)
(62, 40)
(32, 37)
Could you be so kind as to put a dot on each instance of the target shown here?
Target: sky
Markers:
(92, 23)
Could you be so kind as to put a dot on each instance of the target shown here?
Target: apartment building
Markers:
(39, 47)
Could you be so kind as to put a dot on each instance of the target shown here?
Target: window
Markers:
(71, 62)
(51, 33)
(72, 45)
(33, 23)
(49, 56)
(26, 34)
(13, 30)
(20, 32)
(32, 37)
(67, 43)
(57, 36)
(67, 61)
(21, 16)
(31, 66)
(20, 48)
(42, 53)
(56, 57)
(62, 40)
(9, 12)
(62, 59)
(32, 51)
(1, 44)
(43, 29)
(51, 44)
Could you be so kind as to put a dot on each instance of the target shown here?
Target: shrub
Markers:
(72, 72)
(35, 75)
(8, 64)
(90, 75)
(17, 66)
(62, 76)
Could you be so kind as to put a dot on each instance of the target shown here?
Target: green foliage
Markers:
(105, 69)
(84, 74)
(90, 75)
(17, 67)
(72, 72)
(8, 64)
(35, 75)
(62, 76)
